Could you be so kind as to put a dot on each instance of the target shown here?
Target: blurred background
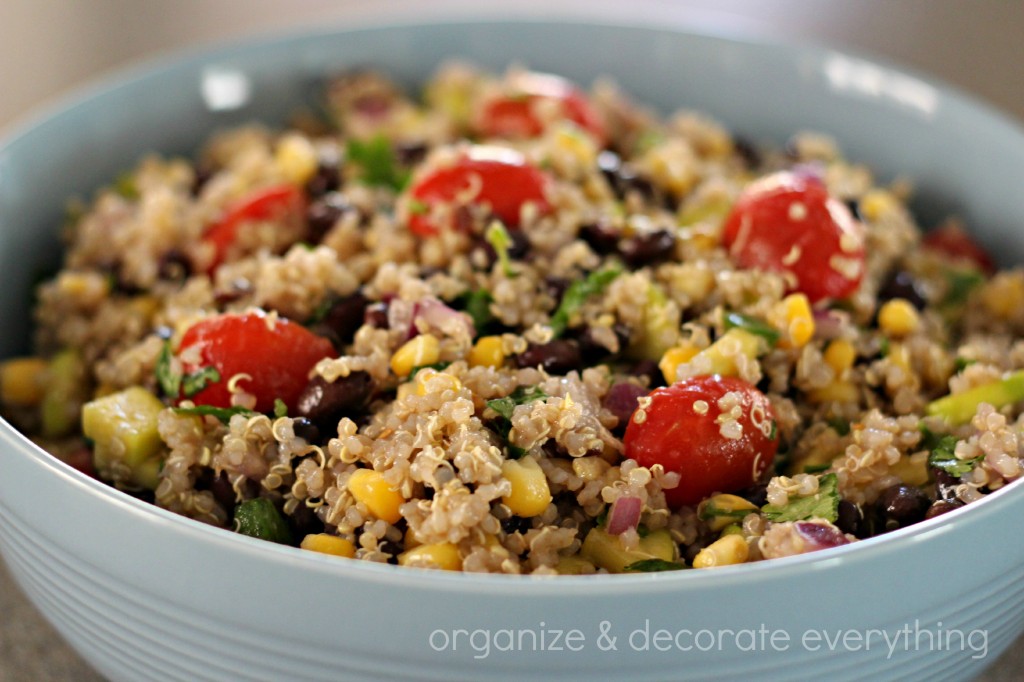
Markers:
(48, 47)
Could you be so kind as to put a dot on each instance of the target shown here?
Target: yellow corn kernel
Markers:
(296, 158)
(438, 382)
(370, 488)
(328, 544)
(572, 140)
(725, 551)
(718, 511)
(487, 352)
(420, 350)
(899, 356)
(22, 381)
(840, 356)
(836, 392)
(530, 494)
(898, 317)
(875, 203)
(442, 555)
(1003, 295)
(798, 319)
(912, 469)
(574, 565)
(674, 357)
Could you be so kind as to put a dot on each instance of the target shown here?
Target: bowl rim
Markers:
(144, 512)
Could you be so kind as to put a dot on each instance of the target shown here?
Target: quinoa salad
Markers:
(513, 325)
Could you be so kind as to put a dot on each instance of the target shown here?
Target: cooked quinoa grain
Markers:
(517, 327)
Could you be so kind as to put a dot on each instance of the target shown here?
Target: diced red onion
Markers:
(810, 169)
(828, 324)
(819, 536)
(437, 315)
(401, 314)
(621, 400)
(625, 514)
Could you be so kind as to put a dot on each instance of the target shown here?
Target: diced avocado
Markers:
(606, 551)
(660, 328)
(123, 428)
(64, 394)
(960, 408)
(258, 518)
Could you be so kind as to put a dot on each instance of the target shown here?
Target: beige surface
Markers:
(48, 46)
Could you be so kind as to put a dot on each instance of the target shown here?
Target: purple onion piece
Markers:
(819, 536)
(437, 315)
(625, 514)
(828, 324)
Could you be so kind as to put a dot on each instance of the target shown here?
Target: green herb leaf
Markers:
(961, 283)
(477, 304)
(497, 236)
(197, 381)
(822, 505)
(222, 413)
(752, 325)
(126, 187)
(960, 363)
(502, 425)
(378, 162)
(578, 293)
(417, 207)
(437, 365)
(259, 518)
(943, 456)
(815, 468)
(840, 426)
(280, 409)
(320, 312)
(653, 566)
(169, 380)
(712, 511)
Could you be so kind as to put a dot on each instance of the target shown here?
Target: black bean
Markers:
(854, 206)
(849, 518)
(325, 403)
(201, 175)
(556, 286)
(392, 549)
(945, 485)
(376, 315)
(221, 489)
(592, 351)
(516, 524)
(556, 357)
(303, 521)
(326, 179)
(649, 369)
(756, 494)
(306, 430)
(901, 284)
(940, 507)
(622, 176)
(411, 152)
(902, 505)
(747, 151)
(621, 400)
(174, 266)
(324, 212)
(690, 552)
(647, 248)
(601, 237)
(346, 316)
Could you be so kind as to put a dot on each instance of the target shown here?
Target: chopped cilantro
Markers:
(961, 363)
(961, 283)
(752, 325)
(653, 566)
(822, 505)
(222, 413)
(506, 406)
(126, 187)
(578, 293)
(497, 236)
(377, 160)
(280, 409)
(883, 347)
(417, 207)
(320, 312)
(815, 468)
(943, 456)
(197, 381)
(477, 304)
(169, 380)
(840, 426)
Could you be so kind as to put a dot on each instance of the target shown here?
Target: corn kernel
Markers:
(439, 382)
(370, 488)
(421, 350)
(836, 392)
(574, 565)
(840, 356)
(442, 555)
(328, 544)
(674, 357)
(572, 140)
(898, 317)
(487, 352)
(530, 494)
(296, 158)
(1003, 295)
(899, 356)
(799, 321)
(725, 551)
(23, 381)
(718, 511)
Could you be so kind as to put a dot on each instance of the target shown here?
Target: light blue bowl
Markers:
(143, 594)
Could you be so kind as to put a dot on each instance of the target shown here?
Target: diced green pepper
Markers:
(961, 407)
(65, 391)
(258, 518)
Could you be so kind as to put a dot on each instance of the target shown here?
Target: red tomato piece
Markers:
(271, 203)
(952, 240)
(277, 353)
(514, 114)
(500, 178)
(679, 428)
(788, 223)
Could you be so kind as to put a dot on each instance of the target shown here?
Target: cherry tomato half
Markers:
(277, 353)
(953, 241)
(498, 177)
(788, 223)
(272, 203)
(514, 114)
(679, 428)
